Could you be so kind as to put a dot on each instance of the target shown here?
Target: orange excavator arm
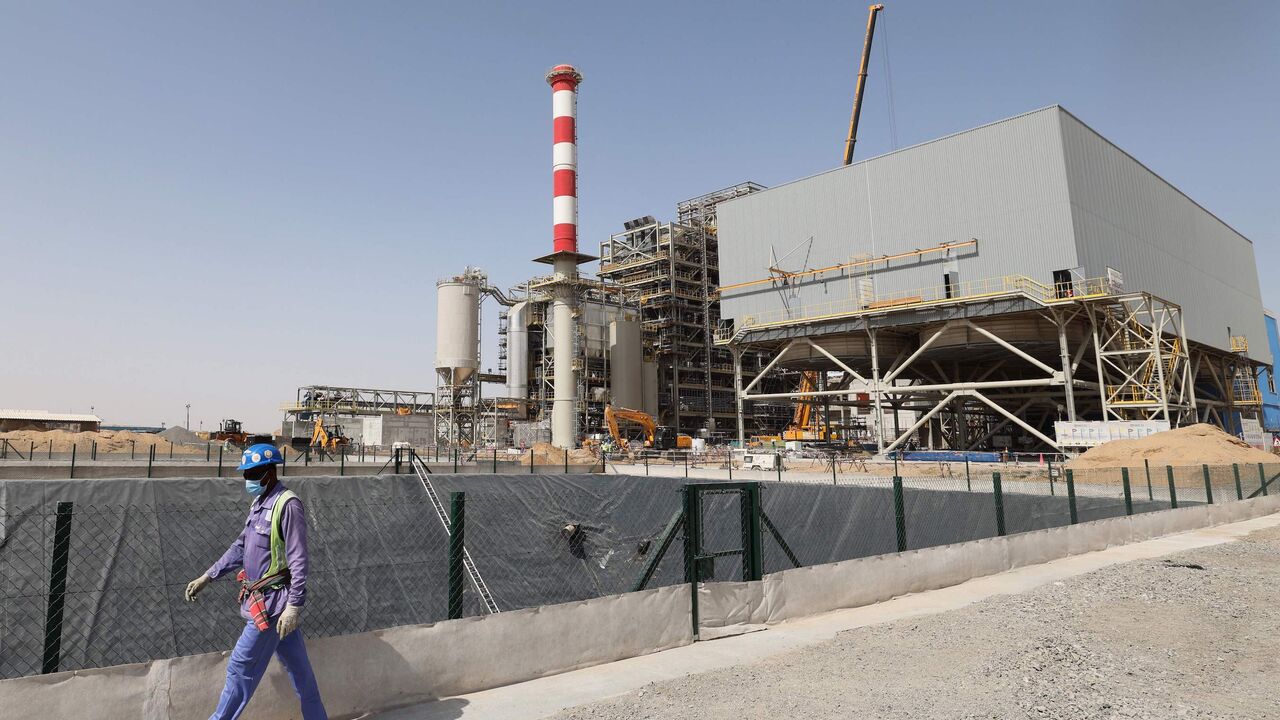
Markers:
(646, 422)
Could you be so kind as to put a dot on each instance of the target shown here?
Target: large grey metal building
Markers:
(1001, 277)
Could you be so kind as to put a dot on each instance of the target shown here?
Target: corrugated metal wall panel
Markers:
(1002, 183)
(1128, 218)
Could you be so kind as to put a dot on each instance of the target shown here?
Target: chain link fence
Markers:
(86, 584)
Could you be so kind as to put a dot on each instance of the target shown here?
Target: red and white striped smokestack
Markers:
(564, 80)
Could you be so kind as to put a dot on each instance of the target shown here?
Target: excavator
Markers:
(330, 438)
(657, 437)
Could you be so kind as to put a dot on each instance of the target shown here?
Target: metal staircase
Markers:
(1244, 384)
(421, 469)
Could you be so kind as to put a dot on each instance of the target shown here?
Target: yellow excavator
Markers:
(330, 438)
(657, 437)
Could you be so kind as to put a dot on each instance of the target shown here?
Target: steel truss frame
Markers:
(1119, 357)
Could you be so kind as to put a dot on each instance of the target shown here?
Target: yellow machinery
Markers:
(658, 437)
(330, 438)
(804, 421)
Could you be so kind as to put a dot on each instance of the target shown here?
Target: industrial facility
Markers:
(997, 281)
(1024, 286)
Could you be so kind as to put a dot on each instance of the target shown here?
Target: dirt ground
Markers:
(1187, 636)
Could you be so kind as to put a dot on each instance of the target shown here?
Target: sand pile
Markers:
(109, 441)
(548, 454)
(180, 435)
(1192, 445)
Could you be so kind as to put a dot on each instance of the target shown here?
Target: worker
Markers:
(271, 557)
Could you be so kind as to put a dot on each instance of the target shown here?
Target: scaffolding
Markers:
(597, 304)
(674, 269)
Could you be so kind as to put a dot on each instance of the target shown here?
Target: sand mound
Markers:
(179, 435)
(548, 454)
(1192, 445)
(109, 441)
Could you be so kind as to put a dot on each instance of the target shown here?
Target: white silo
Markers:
(458, 327)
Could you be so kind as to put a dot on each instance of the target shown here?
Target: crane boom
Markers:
(872, 11)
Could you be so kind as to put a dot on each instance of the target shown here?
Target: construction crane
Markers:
(872, 11)
(658, 437)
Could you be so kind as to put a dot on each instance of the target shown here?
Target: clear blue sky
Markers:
(214, 203)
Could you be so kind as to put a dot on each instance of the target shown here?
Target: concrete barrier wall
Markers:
(377, 670)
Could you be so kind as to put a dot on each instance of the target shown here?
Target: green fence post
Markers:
(31, 454)
(50, 449)
(1235, 470)
(646, 469)
(151, 458)
(395, 456)
(455, 460)
(1146, 464)
(342, 461)
(457, 551)
(646, 464)
(495, 459)
(833, 468)
(1128, 491)
(1173, 491)
(692, 547)
(170, 451)
(999, 494)
(306, 461)
(57, 589)
(531, 461)
(208, 449)
(1208, 486)
(1051, 492)
(220, 461)
(900, 514)
(968, 479)
(777, 458)
(93, 450)
(73, 462)
(1262, 479)
(753, 566)
(1071, 496)
(686, 465)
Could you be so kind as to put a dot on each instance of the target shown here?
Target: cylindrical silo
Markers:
(625, 387)
(457, 329)
(518, 350)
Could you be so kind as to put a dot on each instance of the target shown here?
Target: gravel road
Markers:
(1195, 635)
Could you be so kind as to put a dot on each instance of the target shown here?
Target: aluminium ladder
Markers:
(420, 468)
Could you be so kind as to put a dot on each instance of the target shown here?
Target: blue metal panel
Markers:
(1267, 381)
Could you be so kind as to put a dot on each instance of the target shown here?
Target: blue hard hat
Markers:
(259, 455)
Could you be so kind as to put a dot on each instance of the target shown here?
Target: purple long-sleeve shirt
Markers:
(252, 551)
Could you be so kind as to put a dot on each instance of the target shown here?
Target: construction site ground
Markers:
(1182, 626)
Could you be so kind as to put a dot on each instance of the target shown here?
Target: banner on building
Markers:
(1091, 433)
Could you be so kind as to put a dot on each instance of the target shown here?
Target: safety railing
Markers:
(961, 292)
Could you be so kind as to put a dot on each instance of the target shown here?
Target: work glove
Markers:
(195, 586)
(290, 619)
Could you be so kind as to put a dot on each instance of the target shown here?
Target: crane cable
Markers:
(888, 82)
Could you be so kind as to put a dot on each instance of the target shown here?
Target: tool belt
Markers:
(257, 599)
